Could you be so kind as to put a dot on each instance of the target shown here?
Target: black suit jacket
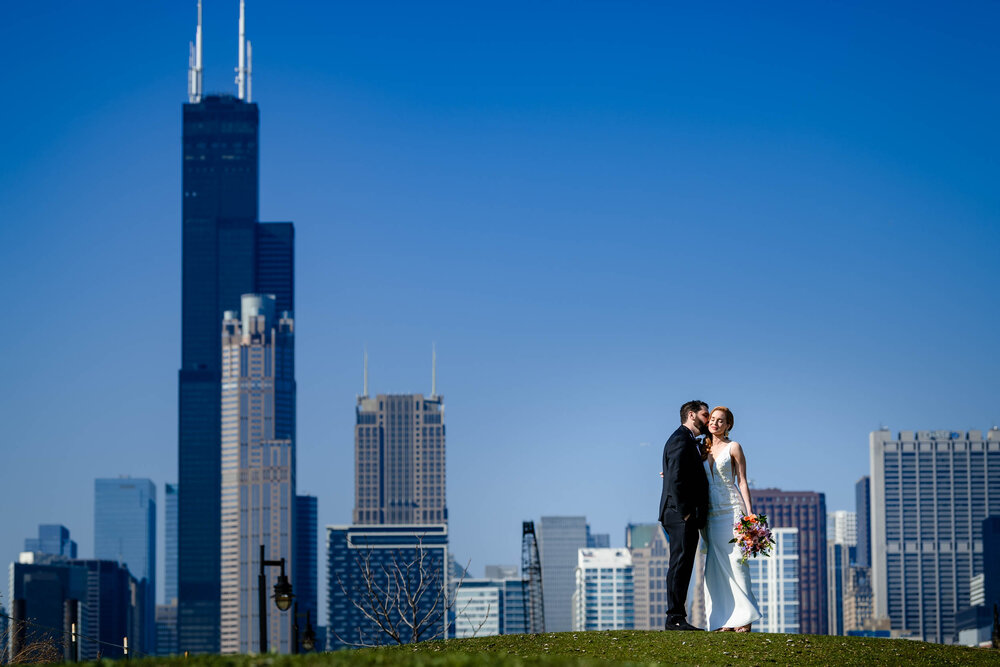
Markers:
(685, 487)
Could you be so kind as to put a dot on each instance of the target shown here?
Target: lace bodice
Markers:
(723, 496)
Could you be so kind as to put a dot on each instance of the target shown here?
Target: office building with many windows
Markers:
(560, 539)
(100, 597)
(415, 557)
(650, 551)
(863, 507)
(775, 583)
(258, 467)
(806, 511)
(604, 598)
(399, 459)
(478, 608)
(931, 491)
(125, 532)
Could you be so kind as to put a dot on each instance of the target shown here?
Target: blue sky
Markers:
(595, 210)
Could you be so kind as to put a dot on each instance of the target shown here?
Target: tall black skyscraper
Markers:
(226, 253)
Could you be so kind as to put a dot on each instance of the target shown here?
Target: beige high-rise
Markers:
(399, 460)
(258, 469)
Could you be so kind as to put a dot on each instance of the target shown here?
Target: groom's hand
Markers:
(687, 517)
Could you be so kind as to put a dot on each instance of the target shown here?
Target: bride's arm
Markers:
(740, 463)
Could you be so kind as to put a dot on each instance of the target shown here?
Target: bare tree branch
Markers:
(404, 602)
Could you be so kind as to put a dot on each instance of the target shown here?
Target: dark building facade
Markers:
(226, 253)
(805, 510)
(409, 551)
(306, 573)
(974, 624)
(863, 507)
(100, 596)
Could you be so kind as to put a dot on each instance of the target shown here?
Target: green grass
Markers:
(623, 648)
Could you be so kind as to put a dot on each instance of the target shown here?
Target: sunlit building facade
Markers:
(775, 584)
(258, 467)
(931, 491)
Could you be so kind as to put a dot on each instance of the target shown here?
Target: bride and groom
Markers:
(705, 491)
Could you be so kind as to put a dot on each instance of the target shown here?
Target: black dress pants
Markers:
(683, 536)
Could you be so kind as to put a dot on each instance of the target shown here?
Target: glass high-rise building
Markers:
(805, 510)
(304, 580)
(52, 539)
(560, 539)
(399, 460)
(258, 467)
(226, 253)
(125, 532)
(863, 507)
(931, 491)
(170, 544)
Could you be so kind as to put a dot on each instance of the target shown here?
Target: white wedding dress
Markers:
(729, 600)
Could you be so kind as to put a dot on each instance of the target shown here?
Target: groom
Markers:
(683, 507)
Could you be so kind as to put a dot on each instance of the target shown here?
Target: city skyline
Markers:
(546, 188)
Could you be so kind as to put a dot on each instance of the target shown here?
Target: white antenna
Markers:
(194, 64)
(366, 373)
(241, 80)
(434, 364)
(249, 69)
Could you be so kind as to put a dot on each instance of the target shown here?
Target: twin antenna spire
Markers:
(243, 71)
(433, 373)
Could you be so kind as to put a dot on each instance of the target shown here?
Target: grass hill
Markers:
(623, 648)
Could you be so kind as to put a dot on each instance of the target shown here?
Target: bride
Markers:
(729, 601)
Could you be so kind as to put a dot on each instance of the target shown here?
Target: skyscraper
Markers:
(841, 553)
(125, 532)
(650, 560)
(170, 544)
(598, 540)
(226, 253)
(52, 539)
(258, 466)
(842, 527)
(604, 597)
(166, 613)
(416, 558)
(862, 496)
(560, 539)
(931, 491)
(775, 583)
(101, 597)
(306, 547)
(399, 460)
(838, 572)
(479, 609)
(805, 510)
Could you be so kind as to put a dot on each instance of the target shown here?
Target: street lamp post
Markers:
(282, 594)
(308, 637)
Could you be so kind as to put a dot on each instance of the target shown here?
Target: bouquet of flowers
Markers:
(753, 536)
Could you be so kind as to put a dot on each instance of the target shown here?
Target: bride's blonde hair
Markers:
(729, 420)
